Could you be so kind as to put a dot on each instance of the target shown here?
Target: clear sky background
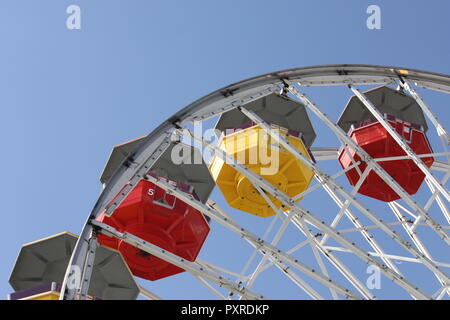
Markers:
(68, 96)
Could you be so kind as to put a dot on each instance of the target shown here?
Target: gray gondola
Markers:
(179, 162)
(387, 101)
(45, 261)
(276, 109)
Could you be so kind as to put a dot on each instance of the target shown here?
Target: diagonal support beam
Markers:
(440, 202)
(275, 255)
(148, 294)
(364, 231)
(390, 256)
(287, 201)
(288, 146)
(414, 237)
(275, 241)
(174, 259)
(289, 273)
(373, 164)
(317, 246)
(308, 162)
(149, 152)
(439, 127)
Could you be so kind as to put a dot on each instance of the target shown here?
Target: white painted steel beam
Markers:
(189, 266)
(276, 255)
(288, 146)
(374, 165)
(258, 180)
(426, 109)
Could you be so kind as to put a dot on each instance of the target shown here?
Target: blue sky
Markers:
(68, 96)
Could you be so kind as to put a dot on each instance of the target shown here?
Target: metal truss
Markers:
(172, 258)
(317, 222)
(276, 255)
(125, 178)
(148, 294)
(238, 284)
(373, 165)
(350, 197)
(409, 229)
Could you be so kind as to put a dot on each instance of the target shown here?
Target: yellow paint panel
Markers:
(49, 295)
(260, 153)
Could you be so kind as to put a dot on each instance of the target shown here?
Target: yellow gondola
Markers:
(252, 146)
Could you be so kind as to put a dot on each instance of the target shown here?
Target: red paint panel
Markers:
(161, 219)
(377, 142)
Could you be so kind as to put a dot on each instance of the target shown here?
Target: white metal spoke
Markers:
(353, 218)
(414, 237)
(241, 278)
(343, 206)
(435, 193)
(441, 292)
(440, 166)
(415, 217)
(274, 242)
(290, 251)
(216, 207)
(172, 258)
(322, 183)
(439, 127)
(266, 234)
(255, 251)
(276, 255)
(375, 166)
(316, 245)
(396, 223)
(302, 284)
(206, 266)
(347, 152)
(425, 155)
(439, 201)
(364, 231)
(302, 226)
(148, 294)
(390, 256)
(323, 154)
(210, 287)
(216, 268)
(256, 179)
(288, 146)
(291, 275)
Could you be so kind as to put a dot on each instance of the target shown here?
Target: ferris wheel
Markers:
(364, 185)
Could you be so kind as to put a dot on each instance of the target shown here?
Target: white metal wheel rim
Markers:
(230, 97)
